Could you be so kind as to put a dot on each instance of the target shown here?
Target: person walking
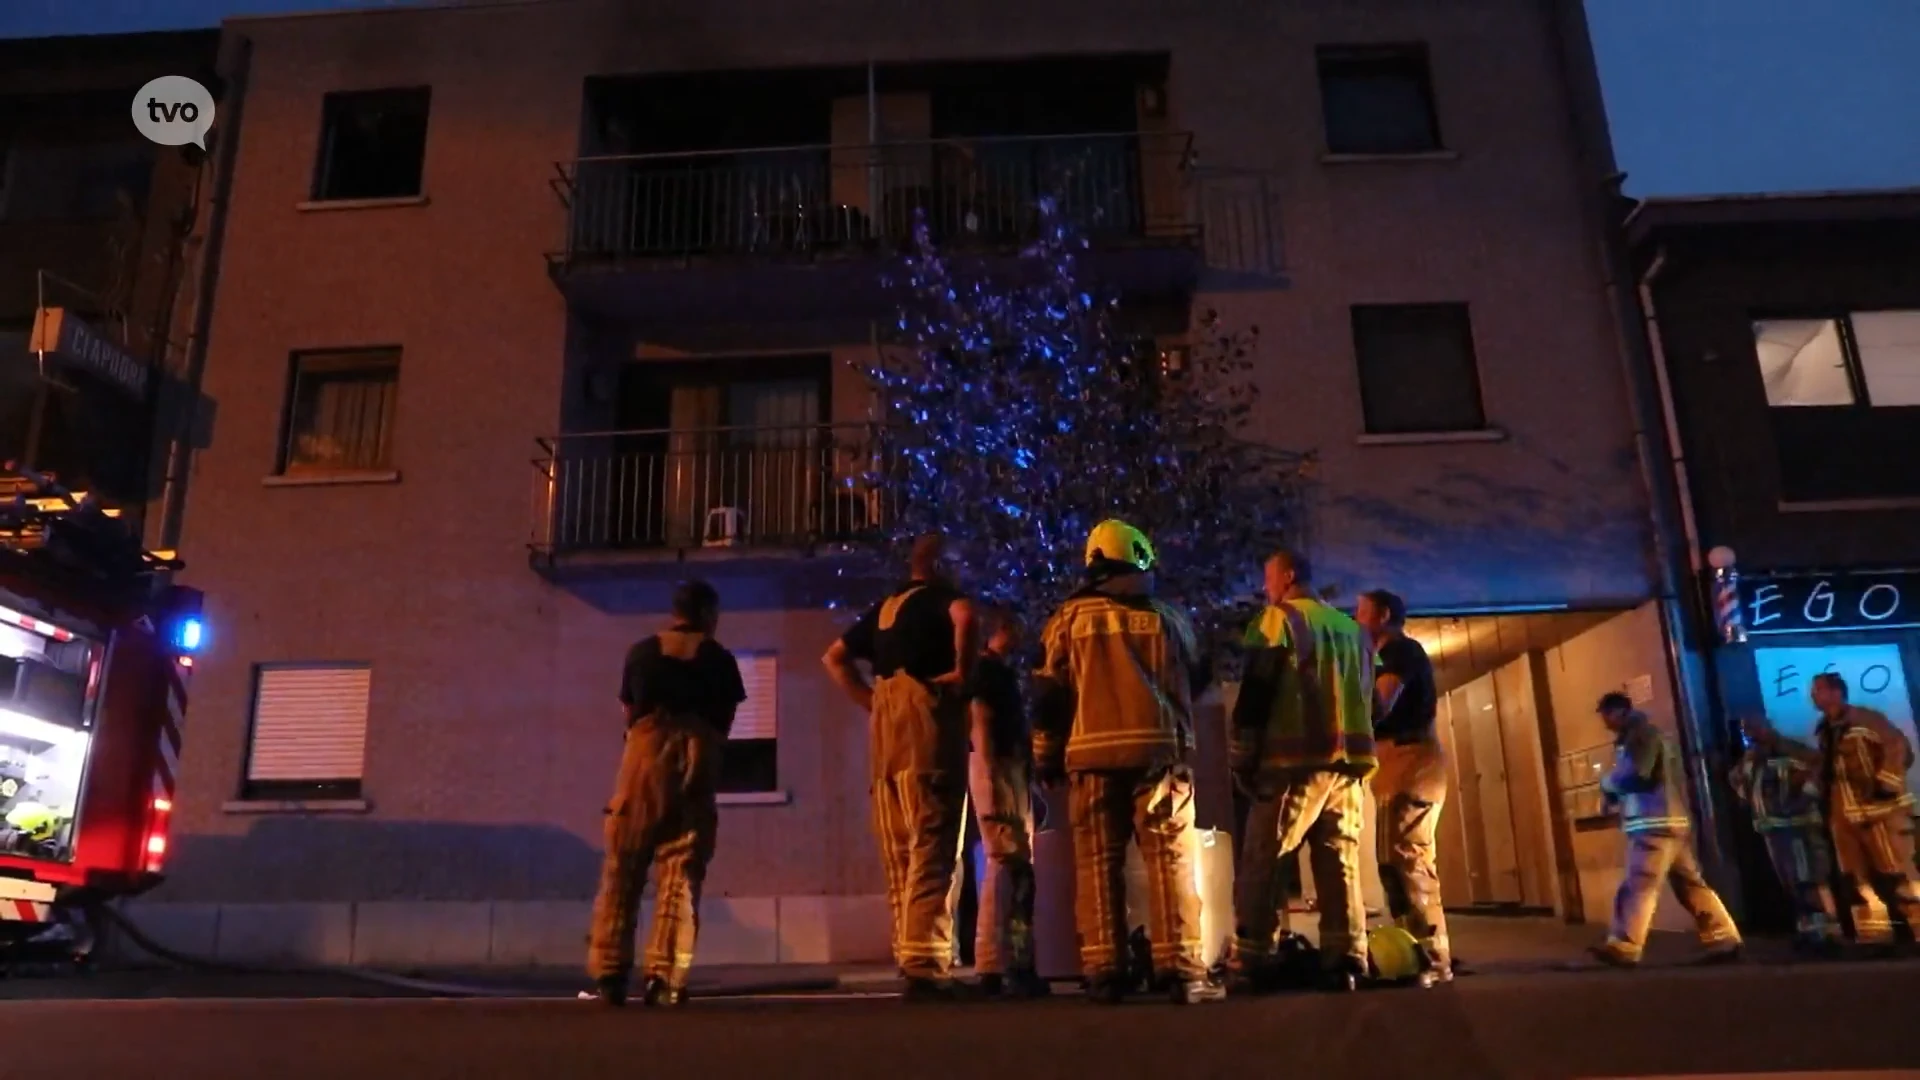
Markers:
(1410, 787)
(1303, 747)
(1114, 718)
(678, 691)
(920, 642)
(1783, 794)
(1647, 785)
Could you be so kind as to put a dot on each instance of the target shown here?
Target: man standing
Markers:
(1783, 794)
(999, 786)
(1115, 716)
(1863, 761)
(678, 692)
(920, 642)
(1411, 786)
(1303, 747)
(1647, 784)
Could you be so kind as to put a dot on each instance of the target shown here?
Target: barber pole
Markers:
(1727, 616)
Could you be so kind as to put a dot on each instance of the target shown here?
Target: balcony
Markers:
(803, 231)
(664, 494)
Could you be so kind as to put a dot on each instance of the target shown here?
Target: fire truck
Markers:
(96, 654)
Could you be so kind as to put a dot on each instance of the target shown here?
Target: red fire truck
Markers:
(96, 654)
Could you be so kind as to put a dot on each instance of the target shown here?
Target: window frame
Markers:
(731, 787)
(350, 359)
(1850, 357)
(269, 790)
(334, 102)
(1415, 53)
(1477, 383)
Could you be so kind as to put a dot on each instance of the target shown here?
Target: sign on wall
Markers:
(1874, 677)
(1802, 605)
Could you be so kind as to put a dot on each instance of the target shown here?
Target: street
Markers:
(1654, 1023)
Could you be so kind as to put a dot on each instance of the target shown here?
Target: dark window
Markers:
(1378, 100)
(74, 182)
(751, 761)
(1417, 368)
(340, 408)
(372, 145)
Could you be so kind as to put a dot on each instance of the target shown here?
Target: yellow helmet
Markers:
(1115, 541)
(1394, 954)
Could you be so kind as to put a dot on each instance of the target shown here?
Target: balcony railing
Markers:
(706, 488)
(817, 200)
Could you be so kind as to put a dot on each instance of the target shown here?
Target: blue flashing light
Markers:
(188, 635)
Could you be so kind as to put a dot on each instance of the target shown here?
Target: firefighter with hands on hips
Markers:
(1303, 747)
(1648, 786)
(920, 642)
(1862, 762)
(999, 788)
(1114, 717)
(1411, 785)
(1783, 794)
(679, 691)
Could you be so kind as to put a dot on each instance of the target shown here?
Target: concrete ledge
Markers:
(285, 933)
(834, 929)
(409, 935)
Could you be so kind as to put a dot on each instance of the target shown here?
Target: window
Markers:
(1418, 373)
(340, 408)
(1378, 100)
(1868, 358)
(373, 145)
(751, 760)
(309, 738)
(74, 181)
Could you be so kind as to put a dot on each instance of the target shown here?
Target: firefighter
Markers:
(1114, 718)
(1411, 786)
(1783, 793)
(920, 643)
(1863, 761)
(1647, 786)
(999, 787)
(679, 691)
(1303, 747)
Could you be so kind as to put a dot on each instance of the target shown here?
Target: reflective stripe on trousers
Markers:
(1154, 809)
(1876, 868)
(1325, 811)
(1803, 862)
(1411, 789)
(663, 816)
(918, 812)
(1000, 797)
(1665, 858)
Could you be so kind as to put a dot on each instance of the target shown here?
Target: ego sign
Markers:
(1801, 605)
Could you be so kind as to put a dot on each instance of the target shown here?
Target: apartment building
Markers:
(1788, 337)
(93, 227)
(528, 310)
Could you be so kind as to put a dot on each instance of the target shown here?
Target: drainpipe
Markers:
(173, 497)
(1676, 448)
(1676, 545)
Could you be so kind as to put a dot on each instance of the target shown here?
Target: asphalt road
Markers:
(1535, 1027)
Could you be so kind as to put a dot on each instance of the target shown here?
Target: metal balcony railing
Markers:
(809, 200)
(724, 487)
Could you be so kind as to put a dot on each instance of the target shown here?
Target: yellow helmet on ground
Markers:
(1394, 954)
(1115, 541)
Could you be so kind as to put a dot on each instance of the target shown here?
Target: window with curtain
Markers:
(1868, 358)
(341, 411)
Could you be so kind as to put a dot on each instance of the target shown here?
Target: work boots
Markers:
(1201, 991)
(661, 995)
(610, 991)
(1020, 985)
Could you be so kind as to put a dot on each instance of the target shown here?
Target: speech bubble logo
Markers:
(173, 110)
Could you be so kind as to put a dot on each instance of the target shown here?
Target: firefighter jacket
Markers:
(1781, 791)
(1648, 779)
(1306, 699)
(1865, 762)
(1116, 681)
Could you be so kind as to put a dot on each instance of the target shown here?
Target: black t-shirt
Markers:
(919, 641)
(997, 687)
(1411, 718)
(707, 684)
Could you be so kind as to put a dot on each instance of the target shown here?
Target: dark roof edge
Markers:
(1772, 208)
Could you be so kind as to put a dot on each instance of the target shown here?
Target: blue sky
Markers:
(1704, 95)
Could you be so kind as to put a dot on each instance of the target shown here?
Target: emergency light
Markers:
(188, 633)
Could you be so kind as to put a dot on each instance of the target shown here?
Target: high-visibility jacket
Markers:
(1782, 792)
(1116, 682)
(1307, 696)
(1648, 779)
(1867, 759)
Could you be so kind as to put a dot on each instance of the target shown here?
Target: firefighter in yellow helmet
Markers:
(1114, 718)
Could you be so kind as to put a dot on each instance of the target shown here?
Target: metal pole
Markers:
(873, 141)
(173, 499)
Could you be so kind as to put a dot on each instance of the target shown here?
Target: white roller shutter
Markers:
(759, 715)
(310, 723)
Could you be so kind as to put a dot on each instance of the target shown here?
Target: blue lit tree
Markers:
(1019, 414)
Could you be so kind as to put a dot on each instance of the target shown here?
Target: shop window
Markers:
(340, 412)
(1378, 100)
(309, 737)
(1418, 370)
(751, 761)
(373, 145)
